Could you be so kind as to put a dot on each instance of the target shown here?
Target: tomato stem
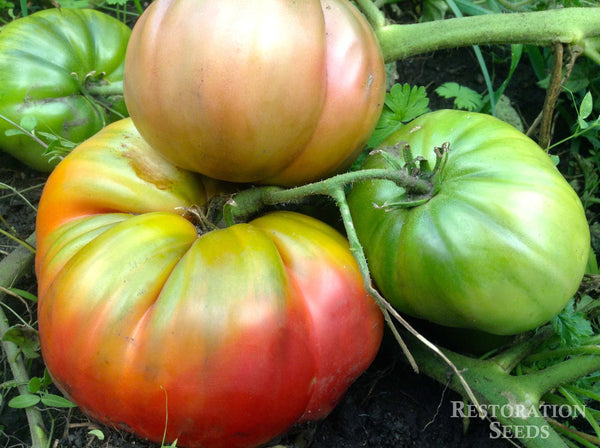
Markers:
(512, 400)
(373, 14)
(11, 268)
(249, 202)
(544, 28)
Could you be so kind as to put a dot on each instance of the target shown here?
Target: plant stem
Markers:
(543, 381)
(11, 268)
(542, 28)
(509, 358)
(500, 393)
(373, 14)
(251, 201)
(386, 308)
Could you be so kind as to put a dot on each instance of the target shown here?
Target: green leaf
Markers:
(24, 401)
(12, 132)
(464, 97)
(572, 326)
(28, 122)
(587, 104)
(46, 379)
(402, 104)
(26, 338)
(56, 401)
(585, 109)
(97, 433)
(34, 385)
(25, 294)
(433, 10)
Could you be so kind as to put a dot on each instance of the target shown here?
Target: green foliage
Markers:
(464, 97)
(55, 145)
(26, 338)
(402, 104)
(572, 326)
(97, 433)
(38, 393)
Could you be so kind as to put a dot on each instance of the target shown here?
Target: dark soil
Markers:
(389, 406)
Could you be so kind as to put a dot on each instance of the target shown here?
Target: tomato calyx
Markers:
(101, 94)
(202, 218)
(400, 157)
(249, 202)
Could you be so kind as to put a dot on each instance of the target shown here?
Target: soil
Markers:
(389, 406)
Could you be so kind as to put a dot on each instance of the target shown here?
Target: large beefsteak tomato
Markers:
(61, 72)
(221, 339)
(273, 92)
(500, 248)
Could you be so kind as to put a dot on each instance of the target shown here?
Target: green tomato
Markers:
(61, 76)
(500, 248)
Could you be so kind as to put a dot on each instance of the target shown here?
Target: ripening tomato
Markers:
(273, 92)
(500, 248)
(61, 73)
(221, 339)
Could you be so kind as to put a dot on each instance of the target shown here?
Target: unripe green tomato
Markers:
(500, 248)
(273, 91)
(61, 73)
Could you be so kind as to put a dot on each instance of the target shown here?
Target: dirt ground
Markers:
(389, 406)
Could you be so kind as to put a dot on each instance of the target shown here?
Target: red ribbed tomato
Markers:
(272, 91)
(237, 333)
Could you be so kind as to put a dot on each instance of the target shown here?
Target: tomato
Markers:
(61, 72)
(235, 334)
(500, 248)
(272, 92)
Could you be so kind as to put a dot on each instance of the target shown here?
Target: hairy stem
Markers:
(509, 358)
(248, 202)
(512, 400)
(544, 28)
(372, 12)
(545, 380)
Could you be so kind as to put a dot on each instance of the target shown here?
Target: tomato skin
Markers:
(241, 332)
(501, 248)
(272, 92)
(46, 59)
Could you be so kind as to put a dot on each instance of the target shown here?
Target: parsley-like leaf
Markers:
(464, 97)
(572, 326)
(402, 104)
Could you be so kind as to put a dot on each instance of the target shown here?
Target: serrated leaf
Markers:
(24, 401)
(464, 97)
(56, 401)
(407, 102)
(403, 103)
(572, 326)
